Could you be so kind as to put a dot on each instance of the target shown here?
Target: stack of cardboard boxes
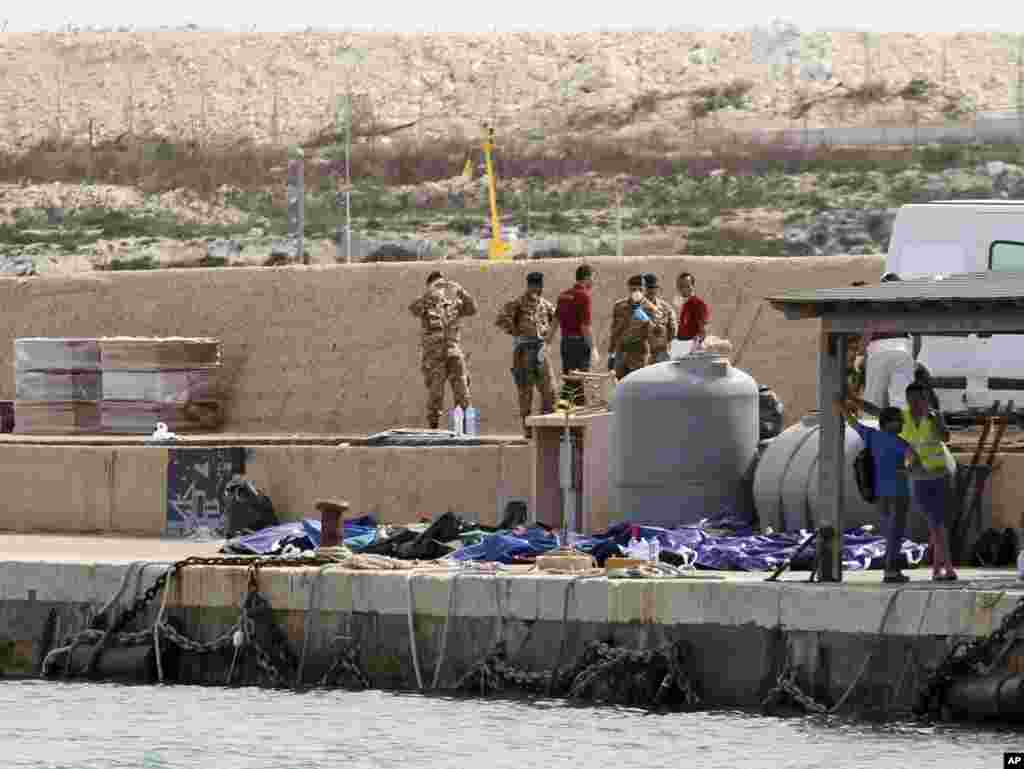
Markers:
(115, 385)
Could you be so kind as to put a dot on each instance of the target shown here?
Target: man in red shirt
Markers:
(577, 335)
(694, 313)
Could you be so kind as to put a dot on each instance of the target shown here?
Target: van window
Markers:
(1006, 255)
(929, 257)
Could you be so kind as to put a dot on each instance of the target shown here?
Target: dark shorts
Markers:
(575, 354)
(933, 495)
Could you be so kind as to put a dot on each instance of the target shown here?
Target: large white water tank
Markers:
(786, 493)
(684, 436)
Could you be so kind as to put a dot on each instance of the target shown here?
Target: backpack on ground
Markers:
(246, 508)
(864, 472)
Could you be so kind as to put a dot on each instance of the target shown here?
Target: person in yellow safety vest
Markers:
(925, 431)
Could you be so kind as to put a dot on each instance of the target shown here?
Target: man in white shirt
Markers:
(889, 363)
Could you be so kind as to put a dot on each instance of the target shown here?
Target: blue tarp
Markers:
(304, 535)
(715, 548)
(509, 547)
(725, 543)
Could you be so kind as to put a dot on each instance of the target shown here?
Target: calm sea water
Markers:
(53, 725)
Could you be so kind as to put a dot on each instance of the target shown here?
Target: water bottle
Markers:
(472, 421)
(637, 547)
(457, 420)
(655, 550)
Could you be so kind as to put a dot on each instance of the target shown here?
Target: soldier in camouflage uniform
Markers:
(532, 322)
(441, 310)
(630, 343)
(663, 322)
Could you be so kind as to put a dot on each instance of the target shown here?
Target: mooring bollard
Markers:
(332, 521)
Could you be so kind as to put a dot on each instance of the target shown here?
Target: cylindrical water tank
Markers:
(786, 493)
(684, 435)
(773, 468)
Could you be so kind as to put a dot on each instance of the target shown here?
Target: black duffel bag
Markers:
(246, 508)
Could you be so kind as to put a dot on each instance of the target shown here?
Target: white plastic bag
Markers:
(680, 348)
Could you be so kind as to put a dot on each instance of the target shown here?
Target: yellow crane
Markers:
(499, 248)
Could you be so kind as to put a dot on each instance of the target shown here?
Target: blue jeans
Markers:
(575, 356)
(892, 511)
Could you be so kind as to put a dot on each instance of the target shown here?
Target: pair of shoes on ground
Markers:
(895, 578)
(898, 578)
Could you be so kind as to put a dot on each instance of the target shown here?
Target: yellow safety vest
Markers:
(924, 437)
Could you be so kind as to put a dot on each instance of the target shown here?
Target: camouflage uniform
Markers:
(663, 328)
(440, 311)
(631, 339)
(530, 319)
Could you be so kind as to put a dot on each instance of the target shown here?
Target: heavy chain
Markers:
(786, 687)
(265, 660)
(965, 658)
(347, 661)
(185, 643)
(494, 673)
(102, 636)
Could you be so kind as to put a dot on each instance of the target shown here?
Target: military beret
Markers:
(636, 280)
(650, 280)
(535, 279)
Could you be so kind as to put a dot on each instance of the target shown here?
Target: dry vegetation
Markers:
(187, 133)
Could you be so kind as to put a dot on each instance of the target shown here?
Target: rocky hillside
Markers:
(685, 86)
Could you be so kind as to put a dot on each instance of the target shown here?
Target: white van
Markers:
(959, 236)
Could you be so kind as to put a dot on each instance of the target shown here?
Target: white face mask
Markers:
(636, 296)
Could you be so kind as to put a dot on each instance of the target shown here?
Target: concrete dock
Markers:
(741, 628)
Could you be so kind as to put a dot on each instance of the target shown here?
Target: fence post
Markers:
(296, 202)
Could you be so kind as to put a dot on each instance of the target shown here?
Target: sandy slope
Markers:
(227, 84)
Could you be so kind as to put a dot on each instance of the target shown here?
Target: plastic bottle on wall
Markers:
(472, 421)
(655, 550)
(457, 420)
(638, 548)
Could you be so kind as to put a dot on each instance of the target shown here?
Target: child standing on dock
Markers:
(891, 454)
(925, 430)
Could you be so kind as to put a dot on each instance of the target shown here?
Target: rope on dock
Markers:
(412, 633)
(787, 688)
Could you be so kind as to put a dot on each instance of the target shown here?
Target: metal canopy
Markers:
(987, 302)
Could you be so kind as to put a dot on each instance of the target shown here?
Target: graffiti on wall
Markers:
(196, 478)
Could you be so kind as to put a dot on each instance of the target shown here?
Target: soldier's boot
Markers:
(527, 430)
(432, 423)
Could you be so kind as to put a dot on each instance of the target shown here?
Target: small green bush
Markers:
(728, 241)
(940, 157)
(918, 89)
(872, 92)
(959, 106)
(708, 99)
(138, 263)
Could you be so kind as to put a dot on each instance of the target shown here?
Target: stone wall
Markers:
(123, 490)
(335, 350)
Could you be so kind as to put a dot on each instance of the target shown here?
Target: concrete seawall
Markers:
(120, 489)
(334, 350)
(73, 488)
(742, 630)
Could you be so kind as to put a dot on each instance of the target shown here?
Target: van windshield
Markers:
(1006, 256)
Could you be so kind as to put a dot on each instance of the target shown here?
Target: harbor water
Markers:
(55, 725)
